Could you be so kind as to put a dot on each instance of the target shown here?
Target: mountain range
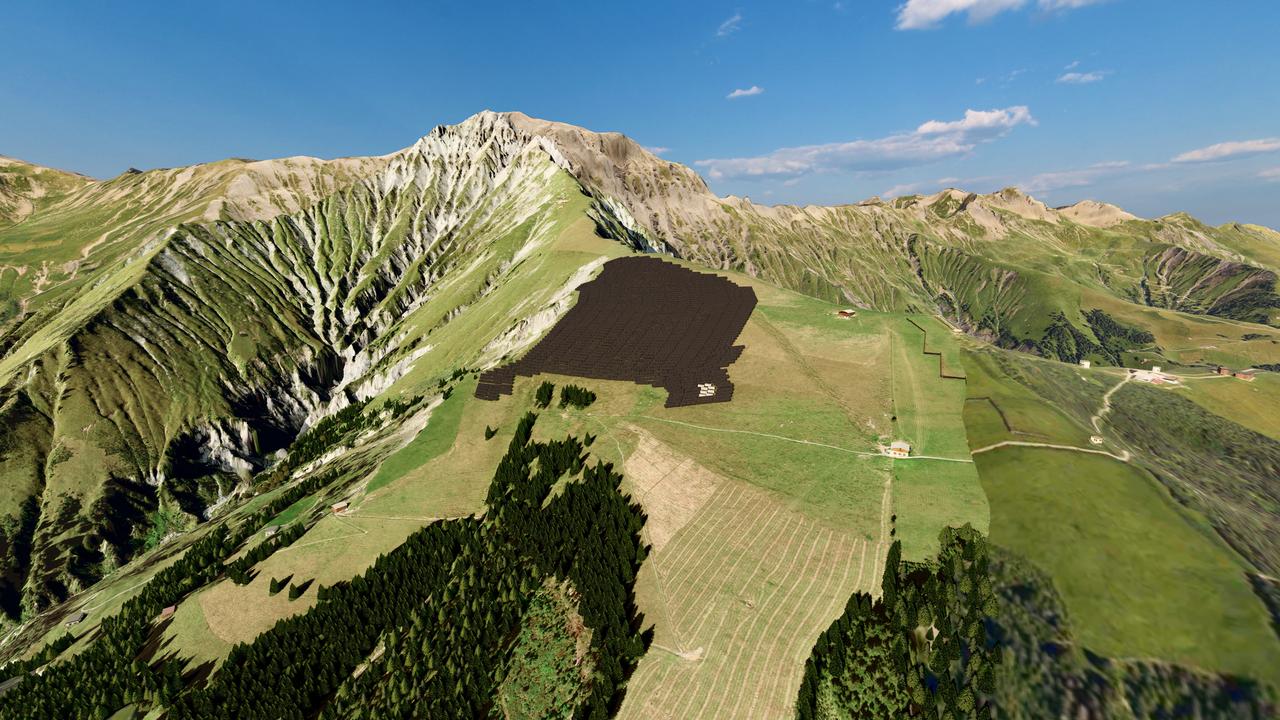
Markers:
(172, 337)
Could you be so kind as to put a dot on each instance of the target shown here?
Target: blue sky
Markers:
(1155, 105)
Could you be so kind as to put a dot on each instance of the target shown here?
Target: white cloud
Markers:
(1052, 5)
(1078, 78)
(730, 26)
(1229, 150)
(1072, 65)
(980, 122)
(923, 14)
(657, 149)
(930, 142)
(900, 190)
(1049, 181)
(748, 92)
(1270, 174)
(918, 187)
(1005, 80)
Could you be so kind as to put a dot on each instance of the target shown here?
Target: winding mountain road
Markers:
(1124, 457)
(1106, 403)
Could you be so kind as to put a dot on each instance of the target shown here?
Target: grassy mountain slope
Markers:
(1002, 264)
(187, 347)
(1178, 546)
(228, 338)
(79, 232)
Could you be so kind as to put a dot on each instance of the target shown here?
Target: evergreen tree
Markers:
(542, 397)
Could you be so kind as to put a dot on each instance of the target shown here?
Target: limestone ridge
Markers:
(231, 336)
(181, 326)
(954, 252)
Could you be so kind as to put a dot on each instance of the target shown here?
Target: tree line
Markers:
(107, 675)
(576, 396)
(921, 650)
(449, 659)
(445, 607)
(239, 569)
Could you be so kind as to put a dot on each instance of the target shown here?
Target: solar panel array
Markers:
(648, 321)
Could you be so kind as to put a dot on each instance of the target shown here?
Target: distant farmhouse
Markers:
(76, 619)
(1153, 376)
(1246, 375)
(898, 449)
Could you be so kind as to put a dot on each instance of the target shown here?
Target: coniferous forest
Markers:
(427, 631)
(981, 633)
(921, 649)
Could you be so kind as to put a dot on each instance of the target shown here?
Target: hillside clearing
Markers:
(1138, 578)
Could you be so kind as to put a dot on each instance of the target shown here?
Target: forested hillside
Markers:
(251, 464)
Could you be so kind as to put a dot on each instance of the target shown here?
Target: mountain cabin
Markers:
(899, 449)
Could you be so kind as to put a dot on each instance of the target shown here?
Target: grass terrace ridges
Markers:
(648, 321)
(746, 586)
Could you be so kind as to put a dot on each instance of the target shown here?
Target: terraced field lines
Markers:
(683, 635)
(705, 606)
(666, 601)
(789, 566)
(782, 640)
(798, 645)
(641, 686)
(886, 503)
(751, 583)
(703, 585)
(733, 662)
(721, 657)
(704, 529)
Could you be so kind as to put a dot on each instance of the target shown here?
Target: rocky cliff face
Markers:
(232, 336)
(870, 254)
(179, 327)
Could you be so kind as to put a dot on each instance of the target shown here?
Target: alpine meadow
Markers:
(528, 421)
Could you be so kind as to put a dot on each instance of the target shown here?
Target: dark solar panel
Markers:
(644, 320)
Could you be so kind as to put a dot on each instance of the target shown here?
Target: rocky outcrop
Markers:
(1189, 281)
(224, 308)
(236, 335)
